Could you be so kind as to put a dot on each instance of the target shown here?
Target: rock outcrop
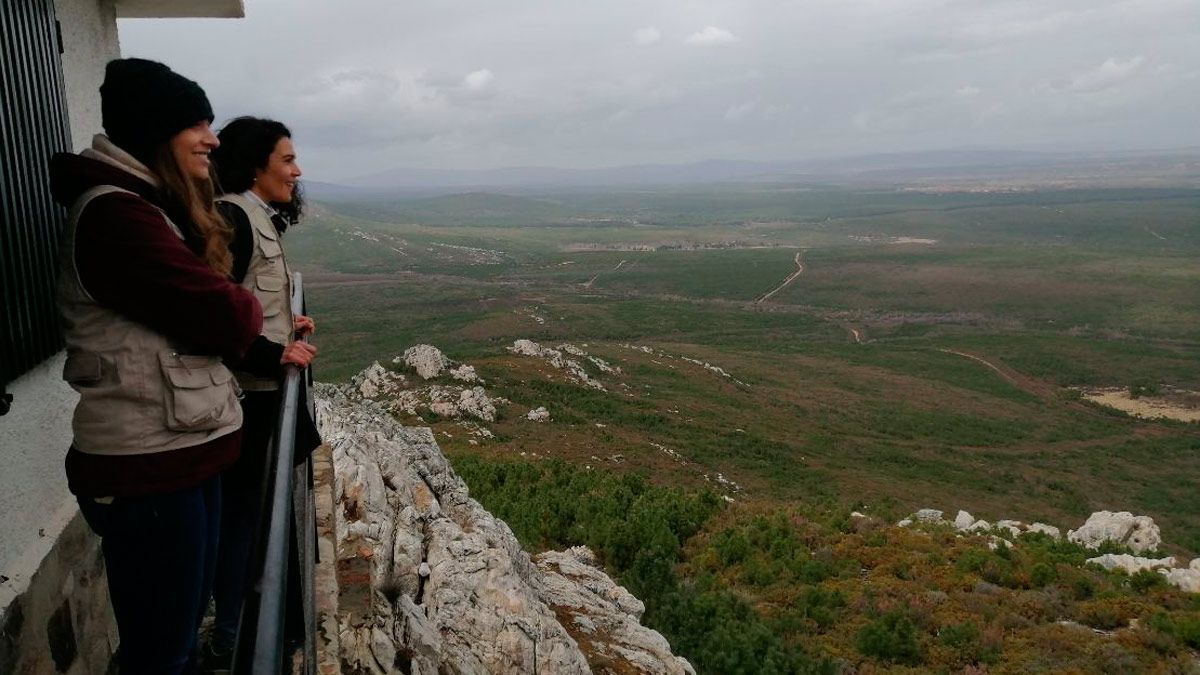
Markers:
(1186, 579)
(538, 414)
(558, 359)
(1131, 563)
(377, 383)
(427, 360)
(431, 583)
(1139, 533)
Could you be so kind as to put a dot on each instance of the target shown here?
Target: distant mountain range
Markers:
(867, 169)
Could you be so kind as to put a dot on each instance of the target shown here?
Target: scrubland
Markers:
(890, 375)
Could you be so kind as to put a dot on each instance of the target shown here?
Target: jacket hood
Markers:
(103, 164)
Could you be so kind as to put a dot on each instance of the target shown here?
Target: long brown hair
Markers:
(194, 199)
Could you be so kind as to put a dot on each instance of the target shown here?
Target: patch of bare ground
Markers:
(1174, 404)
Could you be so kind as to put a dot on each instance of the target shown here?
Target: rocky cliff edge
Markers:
(430, 582)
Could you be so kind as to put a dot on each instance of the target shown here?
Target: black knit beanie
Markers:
(144, 103)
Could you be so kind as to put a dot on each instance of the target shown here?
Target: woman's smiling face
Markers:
(277, 181)
(191, 148)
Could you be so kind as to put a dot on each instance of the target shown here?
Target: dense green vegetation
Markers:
(925, 357)
(639, 529)
(785, 591)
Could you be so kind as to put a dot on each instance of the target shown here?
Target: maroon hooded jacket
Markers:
(132, 262)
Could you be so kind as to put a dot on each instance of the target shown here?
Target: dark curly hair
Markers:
(246, 147)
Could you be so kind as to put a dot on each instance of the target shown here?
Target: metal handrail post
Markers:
(276, 522)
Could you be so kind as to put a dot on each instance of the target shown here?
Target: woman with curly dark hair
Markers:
(259, 177)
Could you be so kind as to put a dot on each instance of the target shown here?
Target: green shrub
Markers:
(891, 637)
(1145, 580)
(1042, 574)
(959, 635)
(1183, 626)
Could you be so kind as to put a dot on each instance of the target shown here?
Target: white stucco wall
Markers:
(34, 437)
(90, 41)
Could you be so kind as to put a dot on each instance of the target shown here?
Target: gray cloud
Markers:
(711, 36)
(372, 84)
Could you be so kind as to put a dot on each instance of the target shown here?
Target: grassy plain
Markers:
(923, 357)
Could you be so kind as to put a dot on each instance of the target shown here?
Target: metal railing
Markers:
(286, 544)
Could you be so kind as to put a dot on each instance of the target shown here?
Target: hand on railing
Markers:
(299, 354)
(303, 325)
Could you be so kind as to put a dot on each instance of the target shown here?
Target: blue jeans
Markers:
(160, 553)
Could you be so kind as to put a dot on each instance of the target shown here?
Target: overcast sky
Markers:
(368, 85)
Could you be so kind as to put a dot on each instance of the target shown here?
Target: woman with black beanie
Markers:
(149, 317)
(258, 175)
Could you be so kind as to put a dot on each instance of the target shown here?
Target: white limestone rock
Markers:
(376, 382)
(928, 516)
(1050, 530)
(474, 402)
(1139, 533)
(995, 542)
(427, 360)
(444, 586)
(1014, 527)
(538, 414)
(906, 522)
(465, 373)
(572, 349)
(1130, 563)
(963, 520)
(1186, 579)
(604, 616)
(556, 359)
(980, 526)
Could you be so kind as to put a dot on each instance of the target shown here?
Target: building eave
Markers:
(180, 9)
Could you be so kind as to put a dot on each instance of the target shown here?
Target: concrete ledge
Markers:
(61, 621)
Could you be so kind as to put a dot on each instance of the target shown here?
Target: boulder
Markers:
(427, 360)
(963, 520)
(1139, 533)
(465, 373)
(1013, 526)
(1185, 579)
(980, 526)
(1051, 530)
(928, 516)
(474, 402)
(539, 414)
(1130, 563)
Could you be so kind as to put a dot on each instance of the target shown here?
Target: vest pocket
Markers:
(83, 369)
(269, 289)
(198, 391)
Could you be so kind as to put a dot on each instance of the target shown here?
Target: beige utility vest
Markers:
(269, 279)
(138, 394)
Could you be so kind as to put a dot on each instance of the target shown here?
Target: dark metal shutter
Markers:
(33, 126)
